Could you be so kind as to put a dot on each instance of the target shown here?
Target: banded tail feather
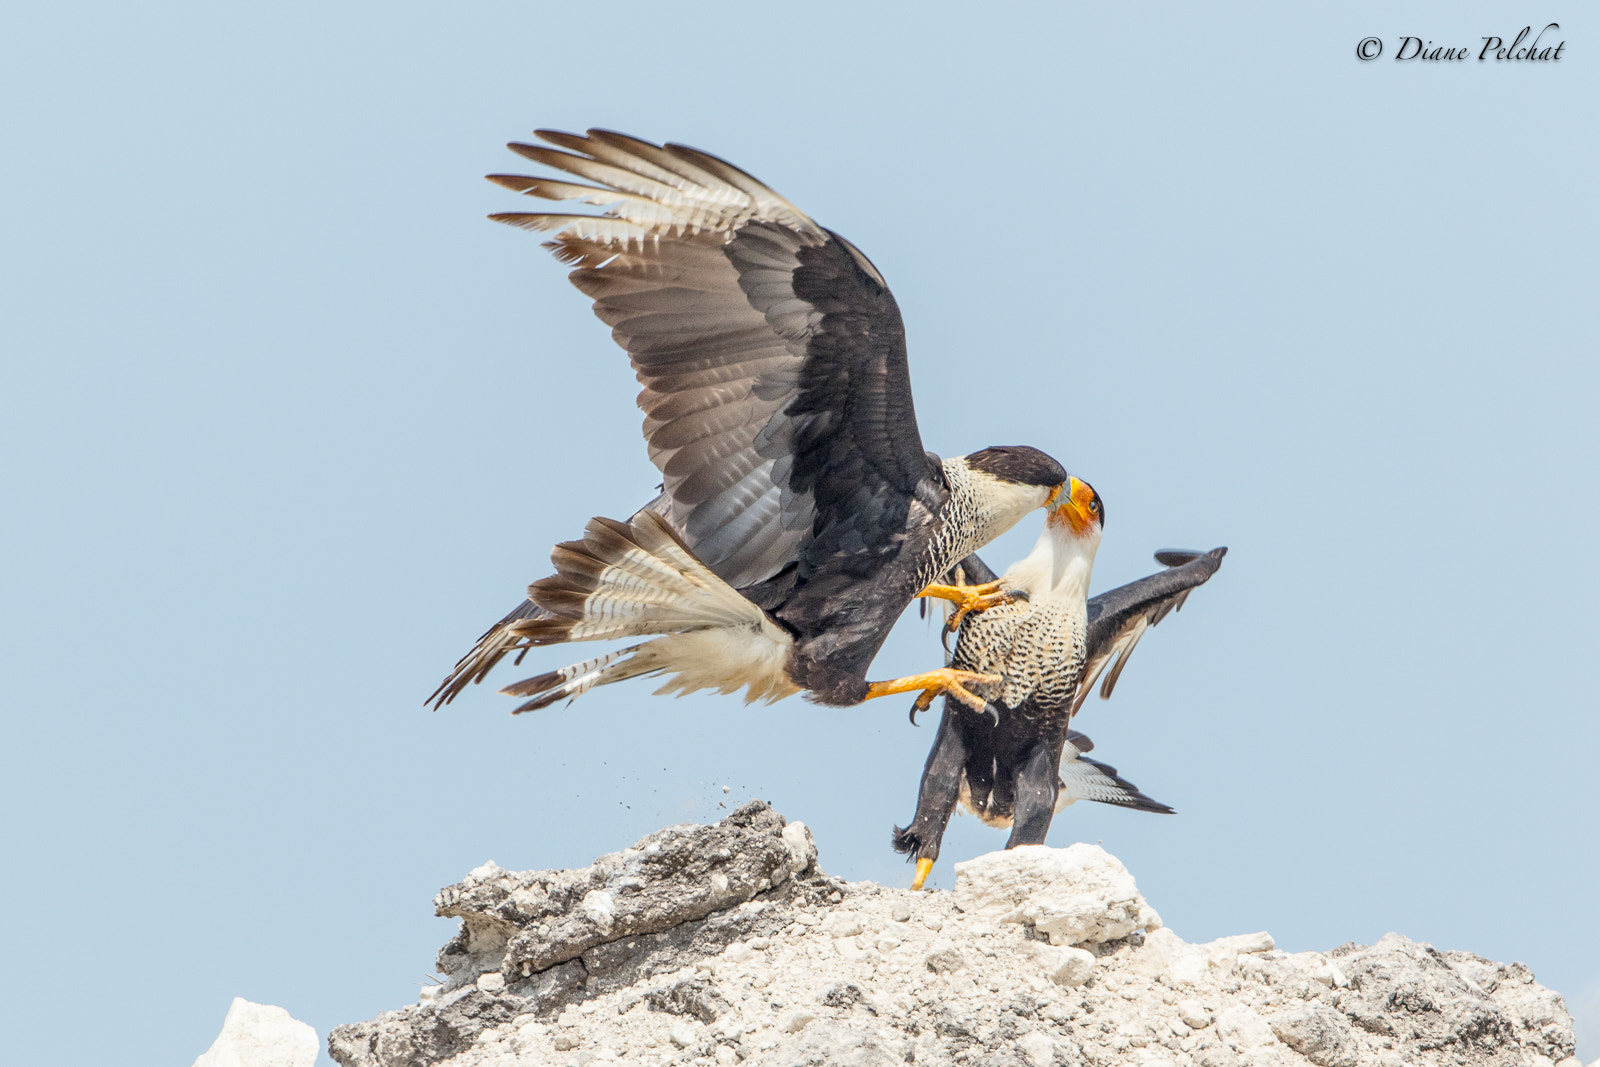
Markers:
(639, 578)
(625, 579)
(1082, 778)
(496, 643)
(573, 681)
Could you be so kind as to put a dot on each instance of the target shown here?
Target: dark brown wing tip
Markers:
(529, 686)
(517, 183)
(523, 220)
(1177, 557)
(562, 138)
(551, 631)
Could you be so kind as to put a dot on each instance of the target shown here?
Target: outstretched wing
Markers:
(1086, 779)
(771, 354)
(1119, 618)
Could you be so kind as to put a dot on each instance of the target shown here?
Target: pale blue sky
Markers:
(287, 424)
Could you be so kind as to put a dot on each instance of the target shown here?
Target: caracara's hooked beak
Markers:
(1078, 508)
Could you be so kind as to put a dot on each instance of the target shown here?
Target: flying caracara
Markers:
(799, 514)
(1006, 764)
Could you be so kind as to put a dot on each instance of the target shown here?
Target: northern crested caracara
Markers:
(1006, 764)
(799, 514)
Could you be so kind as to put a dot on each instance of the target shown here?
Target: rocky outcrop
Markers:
(726, 944)
(260, 1035)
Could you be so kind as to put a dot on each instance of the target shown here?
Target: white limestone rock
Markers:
(811, 970)
(802, 847)
(1320, 1034)
(1038, 1048)
(1063, 965)
(1076, 895)
(261, 1035)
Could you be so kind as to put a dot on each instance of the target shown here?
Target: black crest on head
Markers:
(1018, 463)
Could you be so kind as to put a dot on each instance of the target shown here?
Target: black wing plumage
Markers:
(770, 353)
(1119, 618)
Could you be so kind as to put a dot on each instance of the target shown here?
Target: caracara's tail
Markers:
(1085, 779)
(635, 578)
(497, 643)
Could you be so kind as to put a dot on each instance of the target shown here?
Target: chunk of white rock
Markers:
(851, 951)
(1062, 965)
(1224, 950)
(261, 1035)
(802, 847)
(797, 1020)
(1194, 1014)
(1038, 1048)
(1165, 953)
(491, 982)
(1244, 1029)
(600, 907)
(1076, 895)
(945, 958)
(1319, 1034)
(1329, 975)
(842, 924)
(681, 1033)
(1075, 968)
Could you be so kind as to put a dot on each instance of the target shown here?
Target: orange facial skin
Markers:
(1079, 509)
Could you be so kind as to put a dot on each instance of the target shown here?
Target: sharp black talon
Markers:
(912, 715)
(1019, 594)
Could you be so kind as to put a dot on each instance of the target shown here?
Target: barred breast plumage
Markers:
(1037, 646)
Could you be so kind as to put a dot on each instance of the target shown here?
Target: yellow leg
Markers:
(944, 680)
(969, 598)
(923, 867)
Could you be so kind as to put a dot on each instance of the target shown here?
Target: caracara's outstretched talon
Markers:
(923, 867)
(946, 680)
(970, 598)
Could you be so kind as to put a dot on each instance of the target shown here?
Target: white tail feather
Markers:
(640, 579)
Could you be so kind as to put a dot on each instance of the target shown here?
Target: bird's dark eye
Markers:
(1094, 506)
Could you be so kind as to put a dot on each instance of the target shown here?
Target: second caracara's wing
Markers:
(1119, 618)
(771, 354)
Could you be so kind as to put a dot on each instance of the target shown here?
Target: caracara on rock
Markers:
(1016, 762)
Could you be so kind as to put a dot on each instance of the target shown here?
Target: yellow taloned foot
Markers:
(923, 867)
(944, 680)
(970, 598)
